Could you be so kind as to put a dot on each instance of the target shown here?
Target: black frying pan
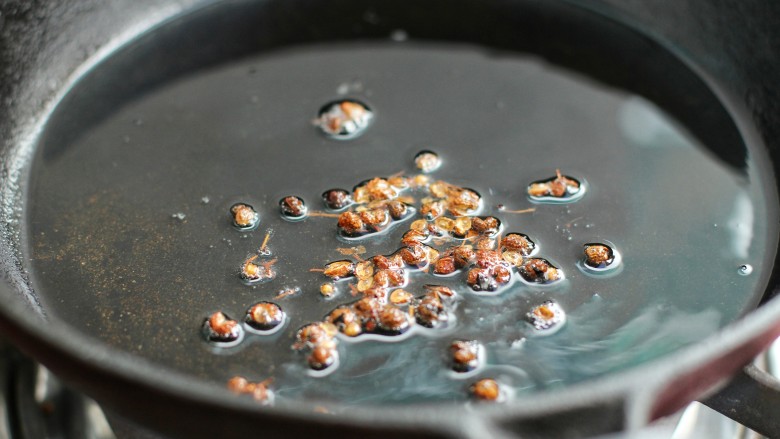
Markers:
(94, 249)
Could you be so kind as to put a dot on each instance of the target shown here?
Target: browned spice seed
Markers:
(336, 199)
(397, 209)
(259, 391)
(438, 290)
(311, 335)
(463, 255)
(519, 243)
(485, 243)
(539, 270)
(401, 297)
(556, 187)
(265, 316)
(430, 311)
(292, 207)
(322, 356)
(244, 215)
(222, 326)
(486, 390)
(339, 269)
(597, 254)
(414, 237)
(432, 209)
(392, 320)
(389, 277)
(351, 223)
(342, 316)
(486, 225)
(373, 190)
(327, 289)
(463, 201)
(374, 217)
(427, 161)
(445, 265)
(464, 355)
(252, 271)
(414, 255)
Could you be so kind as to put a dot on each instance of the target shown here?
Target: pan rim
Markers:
(60, 337)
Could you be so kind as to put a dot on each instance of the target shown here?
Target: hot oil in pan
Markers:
(132, 241)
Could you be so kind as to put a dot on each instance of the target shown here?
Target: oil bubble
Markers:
(745, 269)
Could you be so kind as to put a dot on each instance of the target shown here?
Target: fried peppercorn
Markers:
(598, 255)
(313, 334)
(382, 262)
(344, 119)
(398, 209)
(438, 290)
(219, 328)
(374, 218)
(367, 309)
(546, 316)
(244, 216)
(465, 355)
(350, 223)
(445, 265)
(487, 225)
(427, 161)
(342, 316)
(323, 356)
(486, 389)
(339, 269)
(415, 255)
(376, 189)
(412, 237)
(257, 272)
(430, 311)
(393, 321)
(463, 201)
(488, 258)
(485, 243)
(364, 270)
(264, 316)
(389, 278)
(560, 186)
(539, 270)
(336, 199)
(327, 289)
(259, 391)
(292, 208)
(432, 209)
(401, 297)
(461, 227)
(480, 279)
(519, 243)
(463, 255)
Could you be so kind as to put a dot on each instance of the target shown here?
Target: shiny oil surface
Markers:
(132, 243)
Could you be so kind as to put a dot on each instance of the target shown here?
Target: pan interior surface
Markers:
(131, 241)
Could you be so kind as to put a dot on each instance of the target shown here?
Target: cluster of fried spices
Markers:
(447, 239)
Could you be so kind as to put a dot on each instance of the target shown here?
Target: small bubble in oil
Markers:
(745, 269)
(344, 119)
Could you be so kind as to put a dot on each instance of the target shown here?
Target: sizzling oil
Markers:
(110, 260)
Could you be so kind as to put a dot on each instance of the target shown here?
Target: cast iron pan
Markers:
(119, 176)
